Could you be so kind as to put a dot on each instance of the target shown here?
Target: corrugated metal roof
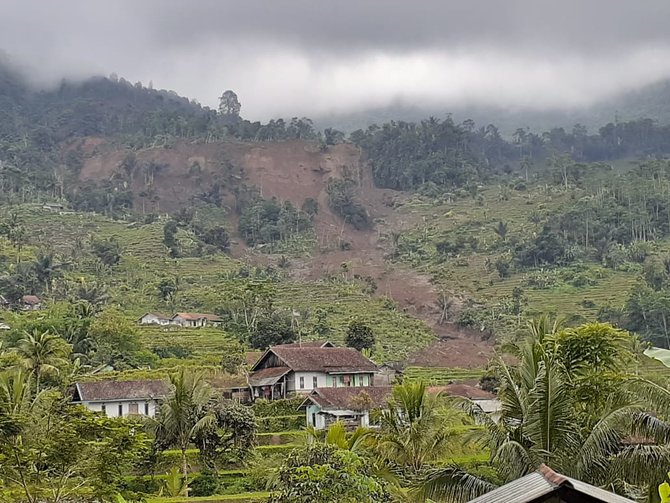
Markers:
(544, 482)
(521, 490)
(597, 492)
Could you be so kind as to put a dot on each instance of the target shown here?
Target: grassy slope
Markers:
(145, 261)
(468, 274)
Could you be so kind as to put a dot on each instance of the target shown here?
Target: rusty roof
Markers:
(101, 391)
(329, 360)
(346, 398)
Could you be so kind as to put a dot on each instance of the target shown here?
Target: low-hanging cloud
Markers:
(300, 57)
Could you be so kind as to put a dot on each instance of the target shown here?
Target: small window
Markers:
(302, 382)
(120, 409)
(146, 408)
(315, 382)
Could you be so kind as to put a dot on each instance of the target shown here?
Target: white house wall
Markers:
(112, 408)
(323, 381)
(293, 381)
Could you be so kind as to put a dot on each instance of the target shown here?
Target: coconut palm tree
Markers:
(337, 435)
(42, 353)
(184, 413)
(16, 397)
(412, 431)
(612, 442)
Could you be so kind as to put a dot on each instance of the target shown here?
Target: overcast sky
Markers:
(311, 57)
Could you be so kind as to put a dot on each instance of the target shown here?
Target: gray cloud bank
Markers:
(310, 57)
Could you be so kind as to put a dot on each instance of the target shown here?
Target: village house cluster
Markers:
(338, 384)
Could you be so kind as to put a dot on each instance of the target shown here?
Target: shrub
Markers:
(204, 484)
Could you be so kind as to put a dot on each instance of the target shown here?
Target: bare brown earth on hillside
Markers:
(295, 171)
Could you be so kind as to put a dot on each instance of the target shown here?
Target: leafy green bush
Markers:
(205, 484)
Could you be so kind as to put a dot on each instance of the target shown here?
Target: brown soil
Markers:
(295, 171)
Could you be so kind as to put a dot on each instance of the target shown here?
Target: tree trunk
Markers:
(184, 470)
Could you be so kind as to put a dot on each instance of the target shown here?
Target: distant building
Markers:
(388, 374)
(155, 319)
(31, 303)
(196, 320)
(351, 406)
(122, 398)
(298, 369)
(53, 207)
(547, 486)
(488, 402)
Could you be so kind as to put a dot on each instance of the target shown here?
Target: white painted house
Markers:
(351, 406)
(300, 368)
(155, 319)
(122, 398)
(196, 320)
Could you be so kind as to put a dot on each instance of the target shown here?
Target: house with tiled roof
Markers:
(121, 398)
(196, 320)
(351, 406)
(486, 401)
(298, 369)
(31, 303)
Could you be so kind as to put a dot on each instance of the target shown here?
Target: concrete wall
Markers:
(112, 408)
(308, 377)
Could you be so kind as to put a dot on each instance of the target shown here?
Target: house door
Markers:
(133, 409)
(314, 419)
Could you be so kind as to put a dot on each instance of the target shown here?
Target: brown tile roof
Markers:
(225, 382)
(252, 357)
(463, 390)
(350, 397)
(31, 299)
(330, 360)
(121, 390)
(307, 344)
(267, 376)
(198, 316)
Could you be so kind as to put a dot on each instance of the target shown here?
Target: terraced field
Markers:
(441, 376)
(468, 274)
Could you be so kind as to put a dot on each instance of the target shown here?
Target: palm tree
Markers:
(184, 413)
(46, 269)
(15, 393)
(545, 420)
(412, 431)
(501, 230)
(42, 353)
(337, 435)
